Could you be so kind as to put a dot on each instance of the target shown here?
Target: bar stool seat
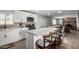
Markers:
(51, 37)
(40, 44)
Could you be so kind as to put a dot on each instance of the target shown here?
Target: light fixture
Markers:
(48, 13)
(37, 10)
(59, 12)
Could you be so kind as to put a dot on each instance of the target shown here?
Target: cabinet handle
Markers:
(20, 33)
(5, 36)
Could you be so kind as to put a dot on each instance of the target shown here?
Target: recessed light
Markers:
(59, 12)
(48, 13)
(37, 10)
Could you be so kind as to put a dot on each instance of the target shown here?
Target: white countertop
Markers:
(41, 30)
(13, 29)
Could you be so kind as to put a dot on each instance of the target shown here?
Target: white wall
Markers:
(43, 21)
(67, 15)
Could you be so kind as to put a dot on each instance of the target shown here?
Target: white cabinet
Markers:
(22, 34)
(9, 19)
(11, 35)
(20, 16)
(8, 36)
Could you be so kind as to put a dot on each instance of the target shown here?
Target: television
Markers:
(30, 19)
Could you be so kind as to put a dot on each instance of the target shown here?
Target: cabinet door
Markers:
(22, 34)
(9, 36)
(9, 19)
(20, 16)
(17, 17)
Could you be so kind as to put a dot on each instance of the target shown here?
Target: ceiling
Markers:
(51, 13)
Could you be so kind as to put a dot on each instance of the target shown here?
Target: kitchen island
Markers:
(34, 35)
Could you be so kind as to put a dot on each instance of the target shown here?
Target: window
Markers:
(7, 18)
(2, 19)
(54, 21)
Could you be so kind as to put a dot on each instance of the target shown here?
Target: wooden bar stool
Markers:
(43, 43)
(57, 37)
(54, 37)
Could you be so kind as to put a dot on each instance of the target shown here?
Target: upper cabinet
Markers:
(9, 19)
(21, 16)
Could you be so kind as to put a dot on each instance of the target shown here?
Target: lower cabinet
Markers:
(10, 36)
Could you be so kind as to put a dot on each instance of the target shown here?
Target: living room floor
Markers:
(71, 40)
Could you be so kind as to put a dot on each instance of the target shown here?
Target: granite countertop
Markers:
(10, 29)
(41, 30)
